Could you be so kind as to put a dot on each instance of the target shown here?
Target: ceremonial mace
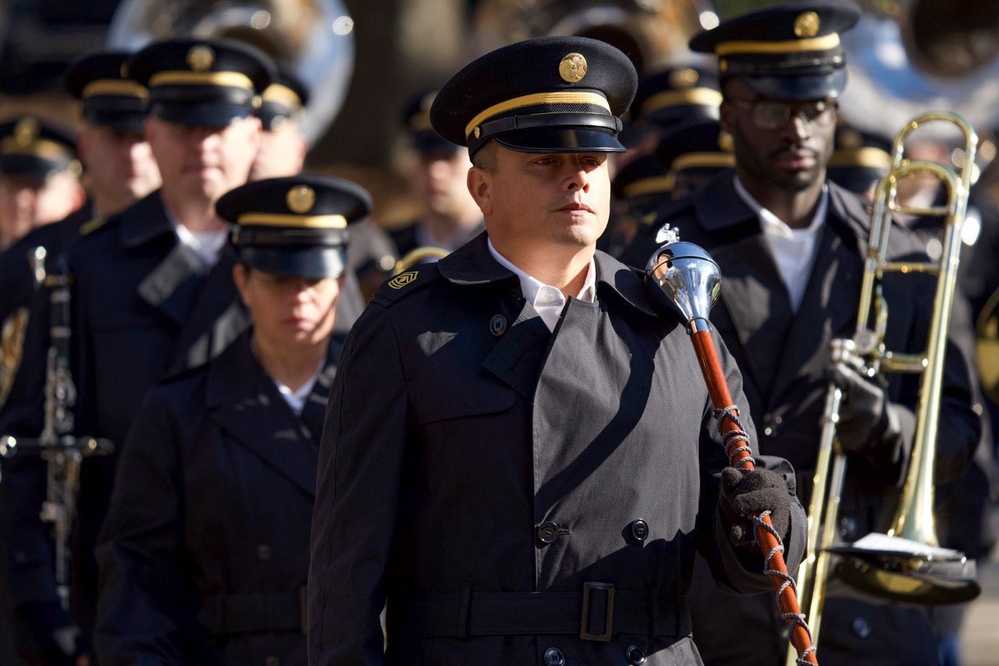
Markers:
(691, 279)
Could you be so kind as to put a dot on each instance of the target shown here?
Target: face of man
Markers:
(200, 164)
(120, 165)
(27, 202)
(539, 200)
(282, 152)
(438, 181)
(778, 145)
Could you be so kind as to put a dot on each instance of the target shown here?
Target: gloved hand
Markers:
(57, 639)
(744, 495)
(867, 422)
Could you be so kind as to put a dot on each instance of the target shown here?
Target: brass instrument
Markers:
(906, 564)
(314, 38)
(62, 452)
(419, 255)
(652, 32)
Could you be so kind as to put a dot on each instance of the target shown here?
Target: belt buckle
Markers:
(597, 597)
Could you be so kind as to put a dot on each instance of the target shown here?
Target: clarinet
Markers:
(62, 452)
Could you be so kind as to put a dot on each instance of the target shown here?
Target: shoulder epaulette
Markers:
(92, 225)
(406, 283)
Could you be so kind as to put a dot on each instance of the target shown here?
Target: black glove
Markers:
(867, 423)
(744, 495)
(56, 637)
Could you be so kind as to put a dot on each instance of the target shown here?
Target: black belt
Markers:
(248, 613)
(596, 613)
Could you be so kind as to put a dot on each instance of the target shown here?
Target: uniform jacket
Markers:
(204, 554)
(140, 312)
(478, 471)
(783, 357)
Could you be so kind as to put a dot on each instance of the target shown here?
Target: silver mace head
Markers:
(689, 277)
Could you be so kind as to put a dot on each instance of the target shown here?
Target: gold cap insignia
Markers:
(683, 78)
(301, 199)
(806, 25)
(256, 102)
(722, 65)
(25, 132)
(477, 132)
(572, 69)
(200, 58)
(726, 142)
(850, 139)
(402, 279)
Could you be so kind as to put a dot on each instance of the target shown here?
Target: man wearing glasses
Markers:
(790, 244)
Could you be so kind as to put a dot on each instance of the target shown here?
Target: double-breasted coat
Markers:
(490, 479)
(783, 356)
(142, 308)
(204, 554)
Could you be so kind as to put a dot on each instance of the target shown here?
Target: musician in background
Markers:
(448, 216)
(217, 480)
(39, 176)
(152, 291)
(118, 169)
(791, 245)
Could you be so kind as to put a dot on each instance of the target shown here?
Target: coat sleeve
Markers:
(146, 603)
(360, 463)
(734, 570)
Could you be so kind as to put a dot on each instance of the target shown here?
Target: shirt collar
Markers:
(531, 286)
(772, 224)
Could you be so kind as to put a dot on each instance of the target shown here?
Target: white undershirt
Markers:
(205, 244)
(546, 299)
(296, 399)
(793, 249)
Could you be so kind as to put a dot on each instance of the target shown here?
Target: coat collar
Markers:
(244, 401)
(472, 264)
(144, 221)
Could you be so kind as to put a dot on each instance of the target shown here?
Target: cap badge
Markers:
(401, 280)
(806, 25)
(477, 132)
(301, 199)
(25, 132)
(572, 69)
(850, 139)
(683, 78)
(200, 58)
(725, 142)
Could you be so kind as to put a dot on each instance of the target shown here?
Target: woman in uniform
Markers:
(205, 551)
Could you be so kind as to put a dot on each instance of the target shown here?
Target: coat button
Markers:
(860, 627)
(547, 532)
(554, 657)
(263, 552)
(497, 325)
(640, 530)
(635, 655)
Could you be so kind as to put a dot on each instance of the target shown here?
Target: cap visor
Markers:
(309, 263)
(30, 166)
(798, 87)
(561, 140)
(201, 115)
(123, 122)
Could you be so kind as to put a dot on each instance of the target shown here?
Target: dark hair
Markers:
(485, 157)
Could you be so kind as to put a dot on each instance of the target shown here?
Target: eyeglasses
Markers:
(771, 115)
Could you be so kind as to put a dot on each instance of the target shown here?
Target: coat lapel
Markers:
(214, 317)
(173, 284)
(825, 313)
(243, 400)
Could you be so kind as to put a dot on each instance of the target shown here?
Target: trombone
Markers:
(906, 564)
